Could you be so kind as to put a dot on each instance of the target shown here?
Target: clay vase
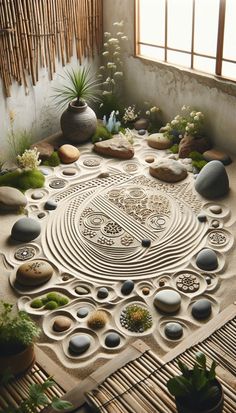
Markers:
(218, 408)
(78, 123)
(17, 363)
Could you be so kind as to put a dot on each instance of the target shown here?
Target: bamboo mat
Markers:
(140, 385)
(17, 390)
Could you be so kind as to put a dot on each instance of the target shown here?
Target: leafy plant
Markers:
(23, 180)
(17, 329)
(174, 148)
(79, 86)
(196, 388)
(196, 156)
(137, 318)
(199, 164)
(19, 141)
(37, 398)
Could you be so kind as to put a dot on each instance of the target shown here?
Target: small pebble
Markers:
(146, 243)
(145, 290)
(127, 287)
(65, 277)
(149, 159)
(112, 340)
(215, 224)
(161, 283)
(141, 132)
(45, 171)
(82, 312)
(208, 280)
(201, 217)
(216, 209)
(102, 293)
(50, 205)
(41, 215)
(173, 330)
(69, 171)
(37, 195)
(103, 175)
(82, 290)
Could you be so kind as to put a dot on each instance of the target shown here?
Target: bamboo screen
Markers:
(35, 33)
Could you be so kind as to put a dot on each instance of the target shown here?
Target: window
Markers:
(197, 34)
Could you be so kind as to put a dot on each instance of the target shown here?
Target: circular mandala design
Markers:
(114, 194)
(25, 253)
(137, 193)
(217, 238)
(131, 167)
(157, 222)
(112, 229)
(188, 283)
(91, 162)
(94, 220)
(57, 183)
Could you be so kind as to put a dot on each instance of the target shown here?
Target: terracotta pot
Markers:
(18, 363)
(78, 123)
(218, 408)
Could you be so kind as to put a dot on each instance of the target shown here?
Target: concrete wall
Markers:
(170, 88)
(35, 112)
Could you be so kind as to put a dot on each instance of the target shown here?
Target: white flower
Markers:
(118, 48)
(184, 107)
(118, 74)
(111, 65)
(105, 44)
(107, 34)
(174, 122)
(105, 53)
(108, 79)
(102, 67)
(100, 76)
(119, 24)
(116, 54)
(120, 34)
(192, 114)
(124, 38)
(177, 117)
(147, 112)
(154, 109)
(196, 118)
(187, 128)
(113, 40)
(180, 136)
(29, 159)
(105, 92)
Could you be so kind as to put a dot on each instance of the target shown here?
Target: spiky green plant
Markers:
(79, 86)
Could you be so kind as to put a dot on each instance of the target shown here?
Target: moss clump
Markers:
(23, 180)
(199, 164)
(53, 296)
(196, 156)
(62, 300)
(137, 318)
(37, 303)
(101, 134)
(51, 305)
(97, 320)
(174, 148)
(54, 160)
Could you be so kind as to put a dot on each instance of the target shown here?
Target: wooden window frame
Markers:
(220, 42)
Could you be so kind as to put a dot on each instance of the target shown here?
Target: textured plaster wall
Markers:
(35, 112)
(170, 88)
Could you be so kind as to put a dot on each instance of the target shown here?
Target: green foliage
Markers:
(196, 387)
(53, 160)
(174, 148)
(37, 398)
(199, 164)
(23, 180)
(79, 85)
(107, 105)
(16, 328)
(101, 134)
(137, 318)
(19, 141)
(51, 301)
(196, 156)
(36, 303)
(51, 305)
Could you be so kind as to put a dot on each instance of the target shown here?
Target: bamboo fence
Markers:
(38, 33)
(140, 385)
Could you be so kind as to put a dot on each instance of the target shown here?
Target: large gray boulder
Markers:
(212, 182)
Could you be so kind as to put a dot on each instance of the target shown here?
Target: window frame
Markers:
(219, 52)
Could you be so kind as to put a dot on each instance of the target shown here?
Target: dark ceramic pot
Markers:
(17, 363)
(218, 408)
(78, 123)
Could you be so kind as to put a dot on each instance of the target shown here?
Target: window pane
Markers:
(229, 70)
(203, 64)
(152, 21)
(155, 53)
(206, 26)
(230, 31)
(180, 24)
(180, 59)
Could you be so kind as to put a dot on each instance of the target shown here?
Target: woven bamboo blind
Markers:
(35, 33)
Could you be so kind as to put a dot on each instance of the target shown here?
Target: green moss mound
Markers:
(199, 164)
(54, 160)
(62, 300)
(37, 303)
(51, 305)
(23, 180)
(101, 134)
(174, 148)
(196, 156)
(53, 296)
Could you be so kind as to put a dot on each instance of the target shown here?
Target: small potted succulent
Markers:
(78, 121)
(17, 335)
(197, 390)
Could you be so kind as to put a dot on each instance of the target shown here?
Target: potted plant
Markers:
(17, 334)
(78, 121)
(197, 390)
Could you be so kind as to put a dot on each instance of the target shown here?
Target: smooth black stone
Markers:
(127, 287)
(102, 292)
(50, 205)
(173, 330)
(82, 312)
(201, 217)
(201, 309)
(79, 344)
(207, 260)
(146, 243)
(112, 340)
(41, 215)
(25, 229)
(212, 181)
